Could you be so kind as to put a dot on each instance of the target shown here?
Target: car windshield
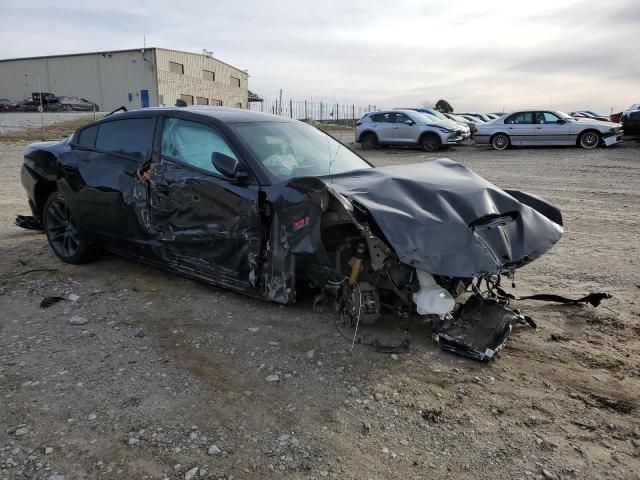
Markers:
(424, 116)
(294, 149)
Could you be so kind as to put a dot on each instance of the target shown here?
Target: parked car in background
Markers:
(631, 123)
(443, 119)
(482, 116)
(405, 127)
(77, 104)
(615, 117)
(589, 114)
(492, 116)
(633, 108)
(462, 121)
(547, 127)
(4, 103)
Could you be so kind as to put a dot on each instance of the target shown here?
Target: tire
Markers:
(430, 142)
(63, 234)
(589, 139)
(500, 141)
(369, 141)
(67, 108)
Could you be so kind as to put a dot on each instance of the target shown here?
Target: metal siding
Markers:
(106, 79)
(172, 85)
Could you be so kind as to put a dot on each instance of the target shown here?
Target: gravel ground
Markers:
(17, 121)
(162, 377)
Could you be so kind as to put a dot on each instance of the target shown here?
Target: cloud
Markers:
(479, 55)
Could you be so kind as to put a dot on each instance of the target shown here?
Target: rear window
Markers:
(87, 137)
(132, 137)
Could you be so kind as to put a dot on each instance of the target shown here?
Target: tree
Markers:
(444, 106)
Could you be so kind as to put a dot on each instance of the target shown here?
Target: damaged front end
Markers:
(411, 239)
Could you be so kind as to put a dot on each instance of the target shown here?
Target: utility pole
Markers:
(41, 108)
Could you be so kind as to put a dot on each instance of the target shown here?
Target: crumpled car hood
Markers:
(440, 217)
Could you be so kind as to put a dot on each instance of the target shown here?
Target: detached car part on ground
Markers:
(261, 204)
(546, 127)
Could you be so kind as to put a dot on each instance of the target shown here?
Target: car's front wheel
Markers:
(589, 139)
(500, 142)
(62, 231)
(369, 141)
(430, 142)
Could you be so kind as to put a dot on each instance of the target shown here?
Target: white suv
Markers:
(405, 127)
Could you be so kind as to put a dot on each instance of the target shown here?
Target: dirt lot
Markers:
(171, 378)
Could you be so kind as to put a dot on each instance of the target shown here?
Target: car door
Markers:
(521, 128)
(207, 225)
(99, 177)
(551, 129)
(405, 129)
(383, 126)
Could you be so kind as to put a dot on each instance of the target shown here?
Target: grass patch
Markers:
(55, 131)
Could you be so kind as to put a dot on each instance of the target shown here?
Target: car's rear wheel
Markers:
(369, 141)
(430, 142)
(62, 231)
(500, 141)
(589, 139)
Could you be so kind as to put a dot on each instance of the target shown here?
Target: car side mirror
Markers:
(561, 121)
(228, 166)
(409, 122)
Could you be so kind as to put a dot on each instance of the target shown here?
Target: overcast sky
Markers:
(481, 55)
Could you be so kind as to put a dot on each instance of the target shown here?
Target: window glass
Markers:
(547, 117)
(202, 101)
(176, 67)
(521, 118)
(383, 117)
(192, 143)
(217, 103)
(187, 98)
(87, 137)
(235, 82)
(208, 75)
(401, 118)
(295, 149)
(133, 137)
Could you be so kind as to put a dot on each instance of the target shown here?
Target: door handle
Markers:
(69, 169)
(538, 128)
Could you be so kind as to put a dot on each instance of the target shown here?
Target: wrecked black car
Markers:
(261, 204)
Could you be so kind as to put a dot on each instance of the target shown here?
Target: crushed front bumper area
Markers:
(478, 330)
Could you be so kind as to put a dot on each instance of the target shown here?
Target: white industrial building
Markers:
(145, 77)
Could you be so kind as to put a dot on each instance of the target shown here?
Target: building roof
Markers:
(106, 52)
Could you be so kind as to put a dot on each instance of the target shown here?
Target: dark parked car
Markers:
(260, 204)
(631, 123)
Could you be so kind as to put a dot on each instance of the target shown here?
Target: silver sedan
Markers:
(547, 127)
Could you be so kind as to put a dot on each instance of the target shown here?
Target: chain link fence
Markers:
(314, 111)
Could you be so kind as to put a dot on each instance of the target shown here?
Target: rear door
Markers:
(206, 224)
(521, 128)
(101, 177)
(383, 126)
(549, 131)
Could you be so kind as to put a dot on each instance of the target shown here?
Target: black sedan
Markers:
(259, 204)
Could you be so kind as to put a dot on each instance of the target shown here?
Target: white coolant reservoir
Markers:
(432, 298)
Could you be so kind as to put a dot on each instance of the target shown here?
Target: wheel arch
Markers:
(364, 132)
(588, 129)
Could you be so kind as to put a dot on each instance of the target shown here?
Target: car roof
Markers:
(224, 114)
